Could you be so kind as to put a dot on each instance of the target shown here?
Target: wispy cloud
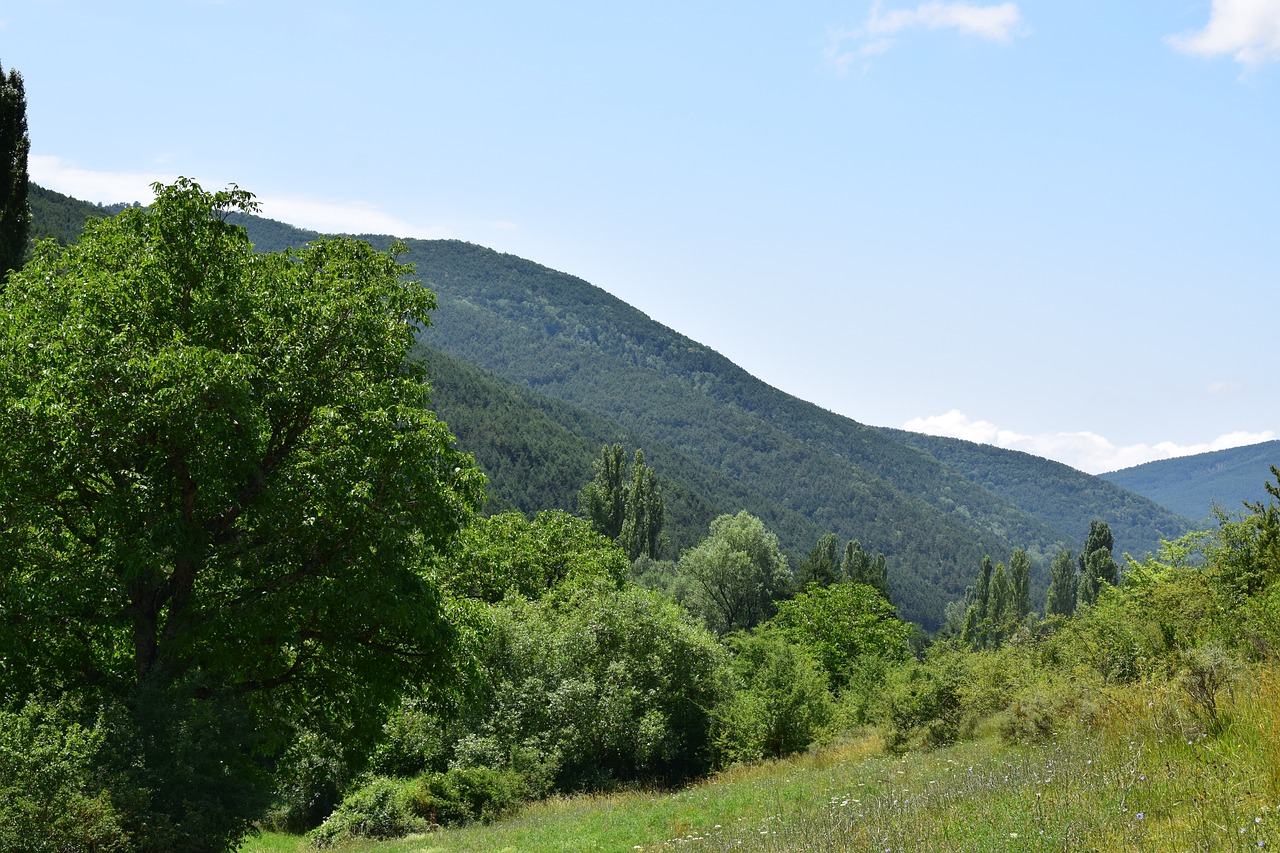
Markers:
(1086, 451)
(1248, 30)
(876, 34)
(317, 214)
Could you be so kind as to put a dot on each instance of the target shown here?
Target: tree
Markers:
(219, 482)
(508, 553)
(1020, 578)
(604, 500)
(859, 566)
(732, 578)
(15, 217)
(1097, 566)
(641, 534)
(625, 503)
(821, 566)
(1061, 598)
(842, 625)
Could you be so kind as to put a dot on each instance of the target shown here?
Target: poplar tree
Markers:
(821, 566)
(1061, 599)
(1097, 566)
(859, 566)
(1020, 577)
(15, 216)
(624, 503)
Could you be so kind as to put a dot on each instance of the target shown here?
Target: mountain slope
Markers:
(1193, 485)
(534, 369)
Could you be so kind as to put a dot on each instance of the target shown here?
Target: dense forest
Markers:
(290, 542)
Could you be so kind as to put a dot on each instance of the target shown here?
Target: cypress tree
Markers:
(15, 216)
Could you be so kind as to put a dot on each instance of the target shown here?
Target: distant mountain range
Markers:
(1193, 485)
(534, 369)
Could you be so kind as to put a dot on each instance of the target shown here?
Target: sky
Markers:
(1050, 226)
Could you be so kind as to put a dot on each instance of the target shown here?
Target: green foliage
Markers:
(922, 706)
(842, 625)
(507, 553)
(780, 703)
(734, 576)
(310, 778)
(219, 480)
(15, 144)
(382, 808)
(822, 566)
(53, 790)
(624, 503)
(1061, 597)
(1097, 567)
(602, 686)
(858, 566)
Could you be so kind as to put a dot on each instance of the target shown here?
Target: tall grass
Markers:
(1153, 772)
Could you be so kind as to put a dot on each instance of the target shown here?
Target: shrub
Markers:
(310, 779)
(52, 793)
(382, 808)
(780, 703)
(922, 706)
(466, 794)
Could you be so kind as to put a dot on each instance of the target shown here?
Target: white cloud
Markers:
(1086, 451)
(873, 37)
(1249, 30)
(324, 215)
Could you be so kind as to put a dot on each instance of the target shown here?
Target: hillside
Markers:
(534, 369)
(1194, 485)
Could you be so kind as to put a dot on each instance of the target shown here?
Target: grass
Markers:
(1152, 773)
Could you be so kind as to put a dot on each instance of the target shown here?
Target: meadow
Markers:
(1148, 771)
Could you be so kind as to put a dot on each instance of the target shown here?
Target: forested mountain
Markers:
(1193, 485)
(565, 367)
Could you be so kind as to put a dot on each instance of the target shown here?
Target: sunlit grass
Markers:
(1148, 776)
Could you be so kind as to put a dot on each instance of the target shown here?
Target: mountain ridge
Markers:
(600, 370)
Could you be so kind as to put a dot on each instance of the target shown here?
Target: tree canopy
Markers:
(220, 477)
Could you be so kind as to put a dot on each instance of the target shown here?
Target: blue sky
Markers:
(1051, 226)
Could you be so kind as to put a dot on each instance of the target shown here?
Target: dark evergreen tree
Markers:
(1061, 600)
(15, 217)
(821, 566)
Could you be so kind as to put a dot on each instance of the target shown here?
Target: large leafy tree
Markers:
(15, 216)
(218, 482)
(733, 577)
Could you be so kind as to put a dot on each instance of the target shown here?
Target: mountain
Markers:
(534, 369)
(1194, 485)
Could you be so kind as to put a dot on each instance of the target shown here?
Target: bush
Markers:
(310, 779)
(52, 789)
(463, 795)
(780, 703)
(382, 808)
(390, 808)
(922, 706)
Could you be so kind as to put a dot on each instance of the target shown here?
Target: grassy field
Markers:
(1150, 773)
